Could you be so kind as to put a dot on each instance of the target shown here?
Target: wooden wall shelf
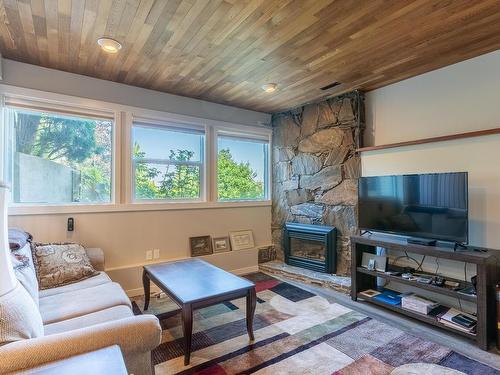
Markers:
(443, 138)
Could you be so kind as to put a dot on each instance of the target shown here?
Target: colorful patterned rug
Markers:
(296, 332)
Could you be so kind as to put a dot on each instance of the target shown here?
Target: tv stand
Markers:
(459, 246)
(421, 241)
(363, 279)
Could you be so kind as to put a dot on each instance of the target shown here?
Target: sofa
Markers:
(81, 317)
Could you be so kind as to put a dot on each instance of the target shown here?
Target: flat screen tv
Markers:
(433, 206)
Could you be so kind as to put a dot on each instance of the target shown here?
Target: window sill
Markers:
(129, 207)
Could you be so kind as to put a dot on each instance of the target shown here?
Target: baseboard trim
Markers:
(245, 270)
(240, 271)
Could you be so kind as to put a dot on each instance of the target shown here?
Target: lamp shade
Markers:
(8, 279)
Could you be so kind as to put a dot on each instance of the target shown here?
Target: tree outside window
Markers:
(60, 159)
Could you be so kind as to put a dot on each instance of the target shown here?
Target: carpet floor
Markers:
(296, 332)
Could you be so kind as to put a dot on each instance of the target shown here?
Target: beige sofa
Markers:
(82, 317)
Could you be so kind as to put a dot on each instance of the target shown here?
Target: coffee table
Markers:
(193, 284)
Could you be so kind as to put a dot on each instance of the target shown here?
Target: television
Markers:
(433, 206)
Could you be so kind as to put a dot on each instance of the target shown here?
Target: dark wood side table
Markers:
(194, 284)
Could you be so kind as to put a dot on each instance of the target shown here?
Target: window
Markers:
(61, 154)
(242, 167)
(55, 158)
(168, 162)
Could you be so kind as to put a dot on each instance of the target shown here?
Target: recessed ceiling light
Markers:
(269, 87)
(109, 45)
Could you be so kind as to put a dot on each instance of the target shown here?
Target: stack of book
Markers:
(389, 297)
(459, 320)
(418, 304)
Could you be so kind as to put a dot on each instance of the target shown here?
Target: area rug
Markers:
(296, 332)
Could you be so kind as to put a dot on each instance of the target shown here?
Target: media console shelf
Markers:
(363, 279)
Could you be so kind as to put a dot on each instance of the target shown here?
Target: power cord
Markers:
(419, 264)
(460, 304)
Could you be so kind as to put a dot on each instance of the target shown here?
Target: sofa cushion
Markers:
(100, 278)
(102, 316)
(19, 316)
(80, 302)
(24, 269)
(61, 264)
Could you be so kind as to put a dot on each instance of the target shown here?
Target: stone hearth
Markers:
(316, 167)
(278, 268)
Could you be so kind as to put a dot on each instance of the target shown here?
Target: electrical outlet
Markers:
(149, 255)
(156, 253)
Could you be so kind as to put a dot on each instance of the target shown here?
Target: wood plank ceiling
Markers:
(224, 50)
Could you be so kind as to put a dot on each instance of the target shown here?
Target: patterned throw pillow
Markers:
(61, 264)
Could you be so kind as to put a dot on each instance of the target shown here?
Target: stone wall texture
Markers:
(315, 169)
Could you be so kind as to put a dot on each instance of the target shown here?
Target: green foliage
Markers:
(61, 138)
(81, 144)
(236, 180)
(145, 187)
(182, 181)
(95, 185)
(85, 145)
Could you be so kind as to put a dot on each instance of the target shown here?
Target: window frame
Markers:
(169, 125)
(121, 189)
(263, 136)
(19, 103)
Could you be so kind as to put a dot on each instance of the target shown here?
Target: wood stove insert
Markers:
(310, 246)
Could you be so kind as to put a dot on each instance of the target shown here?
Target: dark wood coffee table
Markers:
(194, 284)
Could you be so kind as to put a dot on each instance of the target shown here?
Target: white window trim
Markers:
(155, 123)
(251, 134)
(122, 164)
(62, 109)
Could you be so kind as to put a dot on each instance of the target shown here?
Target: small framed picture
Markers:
(241, 240)
(371, 265)
(201, 245)
(221, 245)
(369, 293)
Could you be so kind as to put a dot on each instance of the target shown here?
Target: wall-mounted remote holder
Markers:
(71, 224)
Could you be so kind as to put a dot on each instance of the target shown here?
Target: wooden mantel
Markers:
(443, 138)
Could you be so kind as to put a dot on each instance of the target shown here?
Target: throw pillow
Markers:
(61, 264)
(18, 238)
(24, 269)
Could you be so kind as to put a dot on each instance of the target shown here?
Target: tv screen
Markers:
(421, 205)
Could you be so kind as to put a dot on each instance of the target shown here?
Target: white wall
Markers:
(38, 78)
(459, 98)
(125, 236)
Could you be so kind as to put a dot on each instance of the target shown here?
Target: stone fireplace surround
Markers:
(316, 168)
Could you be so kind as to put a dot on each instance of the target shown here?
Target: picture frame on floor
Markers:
(201, 245)
(221, 245)
(241, 240)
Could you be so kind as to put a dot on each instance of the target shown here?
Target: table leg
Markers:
(251, 302)
(187, 328)
(146, 284)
